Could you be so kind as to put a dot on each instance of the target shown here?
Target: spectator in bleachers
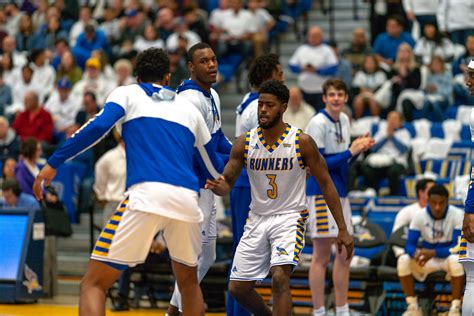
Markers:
(9, 46)
(422, 11)
(22, 85)
(264, 22)
(461, 92)
(10, 73)
(93, 81)
(3, 29)
(407, 213)
(68, 68)
(454, 17)
(386, 44)
(25, 38)
(12, 196)
(62, 107)
(344, 67)
(60, 47)
(433, 43)
(314, 63)
(438, 90)
(165, 22)
(388, 158)
(366, 82)
(48, 35)
(105, 67)
(27, 167)
(196, 22)
(89, 40)
(35, 121)
(178, 69)
(405, 76)
(44, 74)
(216, 18)
(123, 70)
(6, 98)
(8, 170)
(39, 16)
(111, 24)
(150, 38)
(358, 49)
(131, 26)
(235, 31)
(14, 15)
(439, 225)
(9, 142)
(88, 110)
(299, 113)
(181, 30)
(85, 16)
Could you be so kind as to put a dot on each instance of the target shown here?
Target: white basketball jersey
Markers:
(276, 173)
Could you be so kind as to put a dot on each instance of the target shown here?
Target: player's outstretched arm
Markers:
(224, 184)
(318, 168)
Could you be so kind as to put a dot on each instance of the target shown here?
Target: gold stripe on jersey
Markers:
(247, 143)
(321, 211)
(104, 241)
(277, 143)
(297, 148)
(463, 247)
(300, 231)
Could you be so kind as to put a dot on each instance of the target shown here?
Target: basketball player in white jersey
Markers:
(202, 65)
(275, 155)
(466, 251)
(163, 135)
(330, 128)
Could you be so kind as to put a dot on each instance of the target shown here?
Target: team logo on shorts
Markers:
(281, 251)
(234, 269)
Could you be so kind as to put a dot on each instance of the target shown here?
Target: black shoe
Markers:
(120, 306)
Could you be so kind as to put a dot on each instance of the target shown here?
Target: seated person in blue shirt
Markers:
(13, 197)
(439, 225)
(386, 44)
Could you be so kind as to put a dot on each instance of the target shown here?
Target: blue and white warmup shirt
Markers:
(246, 120)
(438, 234)
(209, 105)
(333, 139)
(162, 132)
(466, 250)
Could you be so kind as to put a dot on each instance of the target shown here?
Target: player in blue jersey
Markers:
(466, 251)
(330, 128)
(275, 155)
(163, 135)
(202, 65)
(264, 68)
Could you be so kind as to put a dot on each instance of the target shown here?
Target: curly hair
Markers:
(262, 69)
(152, 65)
(277, 89)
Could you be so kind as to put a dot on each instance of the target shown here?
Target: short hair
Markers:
(422, 184)
(91, 94)
(28, 147)
(194, 48)
(262, 68)
(396, 18)
(61, 40)
(152, 65)
(277, 89)
(11, 184)
(337, 84)
(438, 189)
(35, 53)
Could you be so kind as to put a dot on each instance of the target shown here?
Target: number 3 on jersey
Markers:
(273, 192)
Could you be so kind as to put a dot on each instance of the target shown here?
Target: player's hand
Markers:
(157, 247)
(345, 239)
(423, 255)
(218, 186)
(45, 176)
(468, 227)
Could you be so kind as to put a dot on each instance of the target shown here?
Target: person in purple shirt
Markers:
(27, 168)
(386, 44)
(13, 197)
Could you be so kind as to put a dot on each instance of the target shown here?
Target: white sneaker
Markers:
(413, 310)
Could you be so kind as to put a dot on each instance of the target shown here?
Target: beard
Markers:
(270, 123)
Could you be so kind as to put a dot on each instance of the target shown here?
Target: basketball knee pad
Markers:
(403, 265)
(455, 268)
